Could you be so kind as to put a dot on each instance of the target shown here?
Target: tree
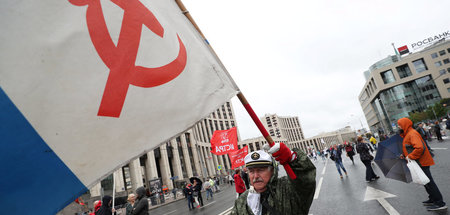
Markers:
(418, 116)
(436, 111)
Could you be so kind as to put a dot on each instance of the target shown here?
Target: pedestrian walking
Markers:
(198, 192)
(208, 188)
(322, 155)
(106, 208)
(336, 156)
(129, 205)
(272, 195)
(373, 140)
(188, 191)
(141, 205)
(238, 182)
(230, 179)
(437, 131)
(244, 177)
(366, 158)
(423, 134)
(216, 184)
(420, 153)
(350, 151)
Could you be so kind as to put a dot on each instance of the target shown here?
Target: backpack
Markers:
(348, 148)
(332, 157)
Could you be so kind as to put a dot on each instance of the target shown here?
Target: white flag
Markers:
(88, 85)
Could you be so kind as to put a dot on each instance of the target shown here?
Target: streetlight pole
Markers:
(432, 108)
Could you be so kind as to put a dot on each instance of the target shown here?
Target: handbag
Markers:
(417, 174)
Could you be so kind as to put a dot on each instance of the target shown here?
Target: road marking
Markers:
(391, 210)
(440, 148)
(316, 195)
(208, 204)
(228, 211)
(324, 167)
(379, 195)
(169, 212)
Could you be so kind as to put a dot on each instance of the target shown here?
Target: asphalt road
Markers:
(347, 195)
(350, 195)
(220, 202)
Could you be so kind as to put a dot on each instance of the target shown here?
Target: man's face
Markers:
(259, 177)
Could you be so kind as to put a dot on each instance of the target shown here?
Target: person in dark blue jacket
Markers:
(336, 156)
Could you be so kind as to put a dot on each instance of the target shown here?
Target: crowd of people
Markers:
(258, 188)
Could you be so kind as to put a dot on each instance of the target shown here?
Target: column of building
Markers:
(198, 140)
(150, 166)
(176, 161)
(164, 167)
(119, 182)
(135, 174)
(96, 190)
(197, 165)
(186, 156)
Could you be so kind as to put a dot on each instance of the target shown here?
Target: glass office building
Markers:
(397, 102)
(398, 86)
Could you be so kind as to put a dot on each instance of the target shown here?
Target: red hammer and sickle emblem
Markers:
(121, 59)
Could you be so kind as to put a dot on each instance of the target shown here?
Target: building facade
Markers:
(289, 131)
(396, 86)
(284, 127)
(257, 143)
(327, 139)
(175, 161)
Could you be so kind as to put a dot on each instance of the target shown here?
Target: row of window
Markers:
(441, 53)
(442, 72)
(403, 71)
(439, 63)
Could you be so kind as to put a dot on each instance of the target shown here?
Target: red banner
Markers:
(237, 157)
(224, 141)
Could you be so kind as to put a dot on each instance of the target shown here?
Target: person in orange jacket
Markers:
(420, 153)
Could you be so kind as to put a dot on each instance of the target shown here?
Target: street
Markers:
(220, 202)
(350, 195)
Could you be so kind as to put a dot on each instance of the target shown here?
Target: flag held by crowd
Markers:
(224, 141)
(237, 157)
(88, 85)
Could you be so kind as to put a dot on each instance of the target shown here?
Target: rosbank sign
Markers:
(430, 40)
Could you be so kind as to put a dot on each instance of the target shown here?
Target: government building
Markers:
(174, 162)
(398, 85)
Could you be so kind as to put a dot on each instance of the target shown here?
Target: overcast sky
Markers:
(307, 58)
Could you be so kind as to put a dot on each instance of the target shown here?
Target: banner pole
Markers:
(240, 95)
(114, 189)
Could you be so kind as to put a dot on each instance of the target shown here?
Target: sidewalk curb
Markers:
(176, 200)
(166, 203)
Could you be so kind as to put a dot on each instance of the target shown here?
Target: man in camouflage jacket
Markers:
(279, 195)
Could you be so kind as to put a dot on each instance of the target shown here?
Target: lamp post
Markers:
(359, 118)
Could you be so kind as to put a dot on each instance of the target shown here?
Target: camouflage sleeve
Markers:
(240, 205)
(304, 169)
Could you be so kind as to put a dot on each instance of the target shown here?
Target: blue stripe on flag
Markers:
(33, 179)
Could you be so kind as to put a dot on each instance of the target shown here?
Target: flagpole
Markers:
(240, 95)
(114, 189)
